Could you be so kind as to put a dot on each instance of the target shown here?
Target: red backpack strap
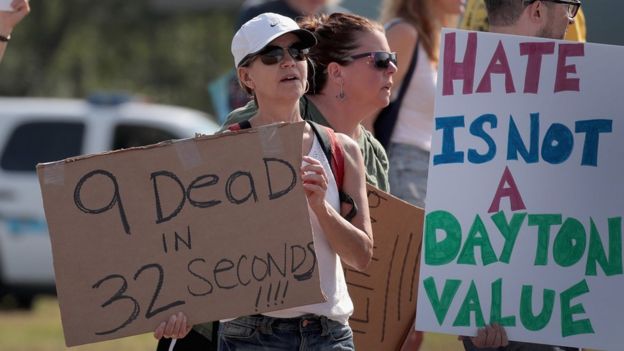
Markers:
(239, 126)
(338, 160)
(337, 157)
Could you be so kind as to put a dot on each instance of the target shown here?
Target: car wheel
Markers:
(24, 302)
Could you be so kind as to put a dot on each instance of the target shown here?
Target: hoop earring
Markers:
(307, 87)
(341, 95)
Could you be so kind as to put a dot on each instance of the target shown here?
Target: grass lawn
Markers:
(40, 330)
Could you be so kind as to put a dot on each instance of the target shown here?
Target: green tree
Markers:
(71, 48)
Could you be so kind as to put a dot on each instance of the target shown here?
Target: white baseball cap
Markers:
(256, 33)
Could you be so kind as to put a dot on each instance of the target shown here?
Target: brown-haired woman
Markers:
(413, 30)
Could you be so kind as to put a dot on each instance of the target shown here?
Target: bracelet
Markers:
(5, 39)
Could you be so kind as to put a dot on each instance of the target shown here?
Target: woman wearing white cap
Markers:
(270, 53)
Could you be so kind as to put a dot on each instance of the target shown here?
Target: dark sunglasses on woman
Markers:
(272, 54)
(381, 59)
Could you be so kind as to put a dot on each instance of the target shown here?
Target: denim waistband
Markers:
(306, 323)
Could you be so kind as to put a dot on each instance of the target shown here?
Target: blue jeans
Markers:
(308, 332)
(409, 166)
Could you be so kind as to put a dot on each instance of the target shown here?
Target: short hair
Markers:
(337, 36)
(504, 12)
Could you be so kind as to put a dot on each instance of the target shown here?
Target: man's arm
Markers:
(8, 21)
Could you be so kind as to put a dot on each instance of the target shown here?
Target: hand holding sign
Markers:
(11, 13)
(175, 327)
(492, 336)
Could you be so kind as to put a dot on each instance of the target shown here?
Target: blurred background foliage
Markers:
(166, 50)
(70, 48)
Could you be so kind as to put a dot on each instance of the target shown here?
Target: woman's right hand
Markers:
(175, 327)
(492, 336)
(10, 19)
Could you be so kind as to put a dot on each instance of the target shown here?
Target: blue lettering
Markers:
(592, 129)
(557, 144)
(449, 154)
(476, 129)
(516, 145)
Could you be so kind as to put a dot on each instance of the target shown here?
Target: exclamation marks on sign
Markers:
(274, 298)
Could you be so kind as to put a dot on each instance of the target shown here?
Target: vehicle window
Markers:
(35, 142)
(127, 136)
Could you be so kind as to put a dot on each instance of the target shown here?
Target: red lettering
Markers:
(499, 65)
(535, 51)
(511, 192)
(459, 70)
(562, 82)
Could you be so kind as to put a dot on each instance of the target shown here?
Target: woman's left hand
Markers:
(175, 327)
(314, 182)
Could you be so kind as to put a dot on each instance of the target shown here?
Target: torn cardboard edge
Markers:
(261, 130)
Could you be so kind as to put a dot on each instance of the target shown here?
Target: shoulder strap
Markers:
(335, 155)
(328, 142)
(393, 22)
(410, 72)
(337, 158)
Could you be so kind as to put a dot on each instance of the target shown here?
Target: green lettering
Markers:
(441, 252)
(528, 319)
(477, 236)
(509, 231)
(543, 223)
(596, 250)
(568, 325)
(570, 243)
(471, 304)
(496, 307)
(441, 305)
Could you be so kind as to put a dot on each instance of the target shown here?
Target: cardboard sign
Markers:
(216, 227)
(384, 296)
(525, 198)
(5, 5)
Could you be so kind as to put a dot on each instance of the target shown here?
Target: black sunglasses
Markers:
(573, 5)
(272, 54)
(381, 59)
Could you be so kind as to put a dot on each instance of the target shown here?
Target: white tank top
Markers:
(338, 306)
(414, 125)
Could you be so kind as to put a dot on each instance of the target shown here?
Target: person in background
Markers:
(289, 8)
(8, 21)
(534, 18)
(414, 26)
(475, 18)
(270, 53)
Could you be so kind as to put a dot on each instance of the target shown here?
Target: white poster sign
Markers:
(525, 197)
